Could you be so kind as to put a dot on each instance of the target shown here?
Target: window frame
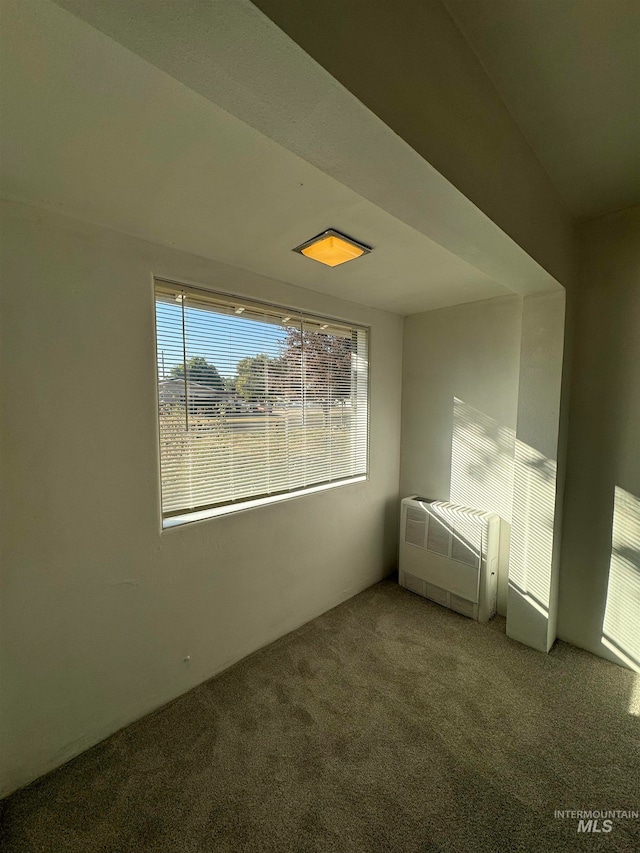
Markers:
(177, 518)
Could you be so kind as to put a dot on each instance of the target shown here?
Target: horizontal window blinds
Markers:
(255, 400)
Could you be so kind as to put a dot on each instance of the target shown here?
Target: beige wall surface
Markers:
(459, 409)
(599, 596)
(99, 608)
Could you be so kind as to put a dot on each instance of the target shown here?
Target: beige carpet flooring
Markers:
(388, 724)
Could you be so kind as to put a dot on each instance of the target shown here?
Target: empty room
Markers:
(319, 426)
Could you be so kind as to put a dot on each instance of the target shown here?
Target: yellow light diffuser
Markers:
(332, 249)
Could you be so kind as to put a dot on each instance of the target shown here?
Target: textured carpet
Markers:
(388, 724)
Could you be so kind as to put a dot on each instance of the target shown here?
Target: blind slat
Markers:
(255, 400)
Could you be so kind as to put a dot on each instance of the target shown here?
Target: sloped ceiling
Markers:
(569, 73)
(94, 129)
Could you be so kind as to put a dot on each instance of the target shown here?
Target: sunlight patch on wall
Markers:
(634, 703)
(621, 625)
(481, 461)
(534, 501)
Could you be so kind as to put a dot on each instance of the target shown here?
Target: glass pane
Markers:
(254, 403)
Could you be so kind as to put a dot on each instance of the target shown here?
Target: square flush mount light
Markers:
(332, 248)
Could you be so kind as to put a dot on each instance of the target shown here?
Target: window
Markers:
(255, 401)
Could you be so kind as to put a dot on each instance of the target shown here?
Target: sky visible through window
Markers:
(222, 341)
(272, 403)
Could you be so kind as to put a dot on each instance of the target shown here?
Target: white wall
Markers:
(100, 608)
(459, 408)
(599, 603)
(536, 530)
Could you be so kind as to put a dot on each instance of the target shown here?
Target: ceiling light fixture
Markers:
(332, 248)
(239, 310)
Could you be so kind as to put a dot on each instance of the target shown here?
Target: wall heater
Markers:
(449, 554)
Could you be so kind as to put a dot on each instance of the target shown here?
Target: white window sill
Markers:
(188, 517)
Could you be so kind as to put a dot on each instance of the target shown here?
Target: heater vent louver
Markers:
(449, 554)
(414, 584)
(461, 605)
(437, 594)
(415, 528)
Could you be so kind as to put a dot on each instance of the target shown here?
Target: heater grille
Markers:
(449, 554)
